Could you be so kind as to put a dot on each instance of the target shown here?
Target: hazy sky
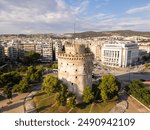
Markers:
(59, 16)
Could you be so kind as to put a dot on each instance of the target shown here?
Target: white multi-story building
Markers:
(11, 50)
(30, 46)
(47, 52)
(38, 48)
(120, 54)
(145, 48)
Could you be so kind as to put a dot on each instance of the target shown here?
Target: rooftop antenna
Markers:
(74, 31)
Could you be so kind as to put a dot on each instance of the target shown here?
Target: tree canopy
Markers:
(136, 88)
(62, 95)
(22, 87)
(109, 87)
(88, 95)
(34, 74)
(50, 84)
(54, 66)
(71, 101)
(7, 91)
(30, 57)
(10, 78)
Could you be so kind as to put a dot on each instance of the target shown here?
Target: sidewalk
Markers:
(17, 105)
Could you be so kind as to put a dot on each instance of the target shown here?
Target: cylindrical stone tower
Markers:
(75, 67)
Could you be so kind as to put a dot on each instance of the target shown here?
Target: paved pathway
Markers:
(18, 102)
(128, 104)
(29, 105)
(17, 105)
(135, 107)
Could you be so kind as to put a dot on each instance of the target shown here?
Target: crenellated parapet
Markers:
(75, 57)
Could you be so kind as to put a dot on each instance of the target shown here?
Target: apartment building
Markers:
(29, 46)
(96, 50)
(47, 52)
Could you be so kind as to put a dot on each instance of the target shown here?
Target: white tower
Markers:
(75, 67)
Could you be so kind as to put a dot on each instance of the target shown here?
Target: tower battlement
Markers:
(74, 49)
(75, 57)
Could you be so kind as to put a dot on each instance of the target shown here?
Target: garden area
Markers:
(54, 97)
(47, 104)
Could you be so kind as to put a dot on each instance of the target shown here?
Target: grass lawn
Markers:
(47, 104)
(103, 107)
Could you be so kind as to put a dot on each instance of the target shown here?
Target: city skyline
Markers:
(59, 16)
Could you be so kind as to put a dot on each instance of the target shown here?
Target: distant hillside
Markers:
(125, 33)
(110, 33)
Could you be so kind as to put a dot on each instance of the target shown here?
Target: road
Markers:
(133, 76)
(123, 74)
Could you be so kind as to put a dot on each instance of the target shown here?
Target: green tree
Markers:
(109, 87)
(54, 66)
(30, 57)
(137, 89)
(22, 69)
(146, 65)
(62, 95)
(59, 99)
(39, 73)
(10, 77)
(146, 96)
(71, 102)
(16, 88)
(30, 71)
(88, 95)
(7, 91)
(34, 74)
(33, 77)
(22, 87)
(50, 84)
(39, 68)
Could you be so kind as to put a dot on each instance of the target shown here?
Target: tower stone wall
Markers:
(75, 67)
